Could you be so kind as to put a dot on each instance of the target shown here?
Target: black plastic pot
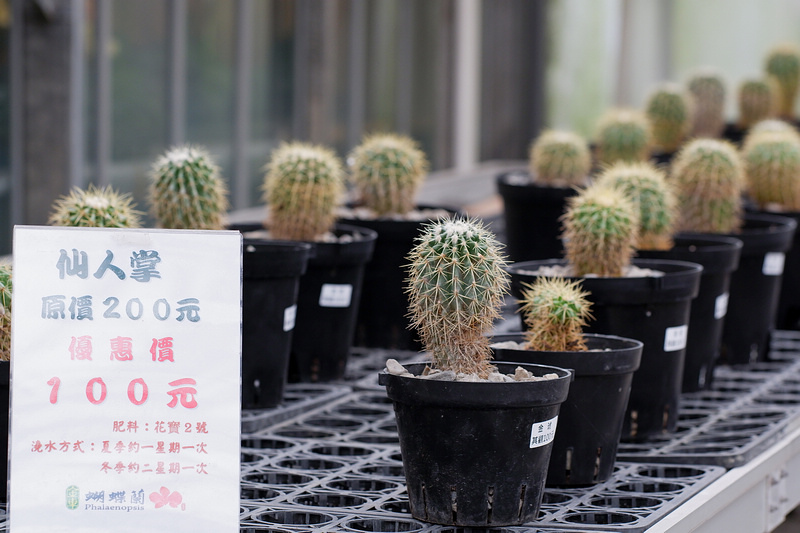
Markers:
(653, 310)
(327, 305)
(590, 421)
(531, 214)
(476, 454)
(382, 312)
(271, 273)
(755, 288)
(719, 256)
(788, 313)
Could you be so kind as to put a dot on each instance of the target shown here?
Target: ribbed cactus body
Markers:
(6, 289)
(456, 284)
(623, 135)
(757, 101)
(772, 163)
(387, 171)
(707, 90)
(186, 190)
(670, 114)
(769, 127)
(95, 208)
(560, 159)
(302, 186)
(555, 310)
(601, 228)
(708, 176)
(646, 186)
(783, 63)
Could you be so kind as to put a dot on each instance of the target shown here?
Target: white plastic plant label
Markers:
(721, 306)
(289, 317)
(126, 388)
(543, 433)
(675, 338)
(773, 263)
(335, 295)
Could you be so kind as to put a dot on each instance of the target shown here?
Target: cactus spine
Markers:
(783, 63)
(646, 186)
(623, 135)
(95, 208)
(708, 176)
(555, 311)
(186, 190)
(772, 163)
(387, 170)
(456, 283)
(302, 186)
(560, 159)
(600, 228)
(757, 102)
(5, 311)
(707, 90)
(669, 111)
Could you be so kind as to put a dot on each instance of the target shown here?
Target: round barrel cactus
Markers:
(95, 208)
(560, 159)
(670, 114)
(622, 135)
(783, 63)
(456, 284)
(555, 311)
(772, 165)
(757, 101)
(707, 90)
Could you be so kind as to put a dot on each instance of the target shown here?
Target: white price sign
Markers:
(125, 386)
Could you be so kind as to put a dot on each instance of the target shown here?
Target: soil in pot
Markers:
(476, 454)
(271, 273)
(327, 305)
(719, 256)
(591, 418)
(531, 214)
(652, 309)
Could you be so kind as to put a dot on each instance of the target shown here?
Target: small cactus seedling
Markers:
(302, 186)
(669, 111)
(708, 176)
(772, 164)
(456, 284)
(560, 159)
(783, 63)
(387, 170)
(646, 186)
(95, 208)
(623, 135)
(707, 90)
(5, 311)
(555, 311)
(186, 190)
(600, 230)
(757, 101)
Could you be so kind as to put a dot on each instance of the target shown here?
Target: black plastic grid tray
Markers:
(338, 468)
(748, 409)
(297, 398)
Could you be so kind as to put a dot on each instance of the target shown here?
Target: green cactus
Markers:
(387, 170)
(772, 164)
(302, 186)
(622, 135)
(456, 284)
(707, 90)
(670, 114)
(600, 230)
(708, 176)
(769, 126)
(757, 101)
(646, 186)
(6, 289)
(186, 190)
(783, 63)
(95, 208)
(555, 311)
(560, 159)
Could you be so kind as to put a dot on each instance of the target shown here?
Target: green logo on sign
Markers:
(73, 497)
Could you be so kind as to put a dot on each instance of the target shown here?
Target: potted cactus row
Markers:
(475, 450)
